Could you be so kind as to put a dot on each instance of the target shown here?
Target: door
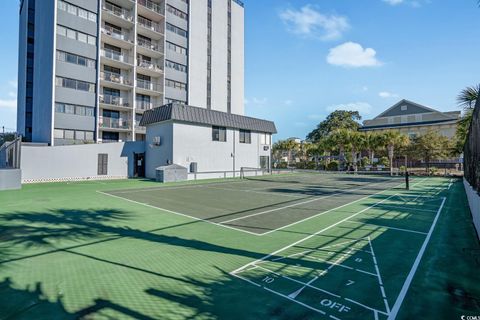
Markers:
(139, 166)
(102, 164)
(264, 162)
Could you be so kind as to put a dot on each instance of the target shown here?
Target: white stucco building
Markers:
(213, 140)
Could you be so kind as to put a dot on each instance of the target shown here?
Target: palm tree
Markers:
(466, 99)
(392, 140)
(373, 141)
(340, 139)
(356, 141)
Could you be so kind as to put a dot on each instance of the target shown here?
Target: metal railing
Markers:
(118, 11)
(143, 105)
(145, 64)
(158, 8)
(149, 45)
(114, 123)
(148, 85)
(151, 25)
(114, 101)
(115, 33)
(139, 128)
(114, 77)
(114, 55)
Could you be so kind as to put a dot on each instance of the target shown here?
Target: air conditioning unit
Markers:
(265, 148)
(157, 141)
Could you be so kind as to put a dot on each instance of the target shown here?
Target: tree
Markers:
(355, 143)
(392, 140)
(289, 146)
(373, 141)
(340, 138)
(466, 99)
(339, 119)
(431, 146)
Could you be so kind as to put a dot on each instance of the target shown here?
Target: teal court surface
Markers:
(289, 246)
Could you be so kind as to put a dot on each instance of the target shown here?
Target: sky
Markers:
(306, 58)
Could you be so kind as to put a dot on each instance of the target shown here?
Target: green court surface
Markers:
(291, 246)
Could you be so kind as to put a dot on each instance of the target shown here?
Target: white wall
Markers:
(219, 54)
(44, 163)
(197, 54)
(193, 143)
(474, 202)
(156, 156)
(238, 59)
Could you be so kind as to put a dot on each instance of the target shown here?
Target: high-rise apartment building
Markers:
(88, 69)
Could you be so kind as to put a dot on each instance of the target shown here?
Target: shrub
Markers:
(333, 165)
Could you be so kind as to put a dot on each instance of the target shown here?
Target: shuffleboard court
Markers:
(352, 269)
(263, 204)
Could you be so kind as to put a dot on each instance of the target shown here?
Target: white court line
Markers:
(408, 208)
(386, 227)
(178, 213)
(380, 282)
(190, 186)
(324, 212)
(398, 303)
(297, 204)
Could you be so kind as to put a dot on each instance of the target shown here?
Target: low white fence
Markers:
(474, 202)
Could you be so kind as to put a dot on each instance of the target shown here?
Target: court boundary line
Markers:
(406, 285)
(180, 214)
(303, 202)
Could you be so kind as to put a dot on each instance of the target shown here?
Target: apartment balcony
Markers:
(114, 124)
(149, 68)
(150, 29)
(151, 10)
(141, 106)
(115, 59)
(115, 80)
(148, 87)
(115, 103)
(139, 129)
(150, 48)
(117, 15)
(117, 38)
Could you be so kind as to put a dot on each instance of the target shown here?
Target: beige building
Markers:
(413, 119)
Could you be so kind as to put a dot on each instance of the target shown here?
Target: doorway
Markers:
(139, 165)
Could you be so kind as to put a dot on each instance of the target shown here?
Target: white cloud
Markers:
(394, 2)
(13, 83)
(256, 101)
(12, 103)
(12, 94)
(309, 22)
(288, 102)
(362, 107)
(364, 88)
(353, 55)
(386, 95)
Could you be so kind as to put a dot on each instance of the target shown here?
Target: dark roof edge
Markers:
(409, 124)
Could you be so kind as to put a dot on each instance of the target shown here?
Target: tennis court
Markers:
(263, 204)
(299, 245)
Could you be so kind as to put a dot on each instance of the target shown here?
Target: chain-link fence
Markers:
(472, 150)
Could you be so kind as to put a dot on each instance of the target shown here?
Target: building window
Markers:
(265, 138)
(76, 35)
(79, 135)
(73, 109)
(219, 134)
(176, 66)
(177, 30)
(76, 11)
(404, 107)
(176, 12)
(75, 59)
(176, 48)
(175, 84)
(245, 136)
(74, 84)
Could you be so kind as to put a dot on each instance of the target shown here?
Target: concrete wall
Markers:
(22, 68)
(10, 179)
(238, 59)
(219, 55)
(474, 202)
(43, 163)
(43, 81)
(193, 143)
(198, 44)
(156, 156)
